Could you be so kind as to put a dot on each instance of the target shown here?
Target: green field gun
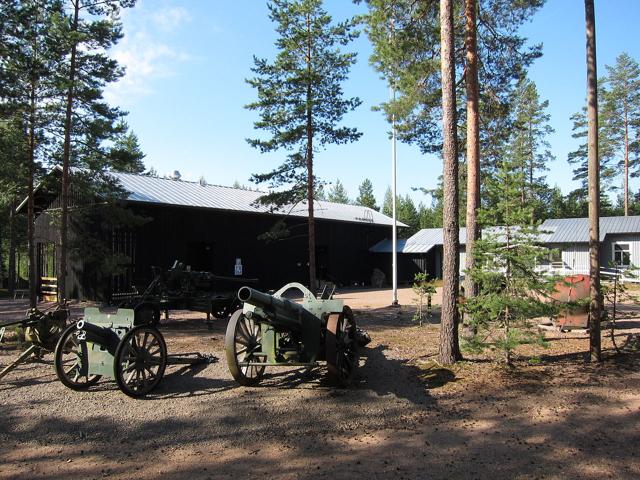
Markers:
(110, 344)
(271, 330)
(42, 330)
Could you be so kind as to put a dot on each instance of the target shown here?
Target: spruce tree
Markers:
(511, 292)
(301, 102)
(366, 198)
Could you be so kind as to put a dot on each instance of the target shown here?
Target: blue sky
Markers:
(184, 89)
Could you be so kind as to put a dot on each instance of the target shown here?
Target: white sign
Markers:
(238, 267)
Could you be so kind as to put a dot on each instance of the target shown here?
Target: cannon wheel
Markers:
(242, 338)
(342, 347)
(71, 359)
(140, 360)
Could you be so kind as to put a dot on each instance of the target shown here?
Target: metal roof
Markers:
(555, 230)
(147, 189)
(576, 230)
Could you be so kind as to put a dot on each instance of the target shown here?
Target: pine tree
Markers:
(319, 193)
(13, 178)
(407, 54)
(623, 96)
(529, 146)
(338, 194)
(85, 35)
(366, 198)
(595, 306)
(606, 146)
(29, 60)
(449, 348)
(473, 139)
(511, 291)
(301, 101)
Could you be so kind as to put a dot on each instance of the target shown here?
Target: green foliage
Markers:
(300, 97)
(511, 291)
(126, 154)
(366, 198)
(529, 146)
(387, 203)
(606, 146)
(424, 289)
(319, 193)
(408, 214)
(338, 194)
(406, 51)
(623, 99)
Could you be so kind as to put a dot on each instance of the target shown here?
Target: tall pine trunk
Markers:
(12, 248)
(449, 348)
(64, 221)
(626, 162)
(33, 292)
(473, 143)
(309, 154)
(595, 307)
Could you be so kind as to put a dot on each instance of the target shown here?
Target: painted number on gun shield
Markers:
(81, 334)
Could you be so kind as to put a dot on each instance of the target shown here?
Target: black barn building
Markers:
(218, 229)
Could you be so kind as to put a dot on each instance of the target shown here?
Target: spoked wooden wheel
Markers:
(72, 361)
(242, 341)
(140, 360)
(342, 347)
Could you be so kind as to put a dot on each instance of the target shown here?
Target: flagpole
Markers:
(394, 234)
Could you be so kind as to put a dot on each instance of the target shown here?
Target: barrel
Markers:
(280, 312)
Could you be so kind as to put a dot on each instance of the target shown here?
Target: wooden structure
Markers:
(222, 230)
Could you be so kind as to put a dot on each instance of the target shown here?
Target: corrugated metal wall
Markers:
(606, 251)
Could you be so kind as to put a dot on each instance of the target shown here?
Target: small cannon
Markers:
(271, 330)
(41, 330)
(111, 345)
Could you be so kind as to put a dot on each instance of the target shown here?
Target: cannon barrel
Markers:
(102, 336)
(280, 312)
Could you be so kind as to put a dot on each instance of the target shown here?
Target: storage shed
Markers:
(220, 229)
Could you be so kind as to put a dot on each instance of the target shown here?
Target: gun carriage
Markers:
(42, 330)
(272, 331)
(110, 344)
(181, 288)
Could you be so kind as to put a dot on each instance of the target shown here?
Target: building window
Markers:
(621, 254)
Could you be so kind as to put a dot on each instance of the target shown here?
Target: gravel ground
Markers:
(407, 416)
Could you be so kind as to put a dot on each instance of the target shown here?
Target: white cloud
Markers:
(145, 53)
(171, 18)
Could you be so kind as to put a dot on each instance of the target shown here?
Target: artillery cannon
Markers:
(111, 345)
(42, 329)
(271, 330)
(182, 288)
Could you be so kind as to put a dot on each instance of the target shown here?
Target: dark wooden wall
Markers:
(212, 240)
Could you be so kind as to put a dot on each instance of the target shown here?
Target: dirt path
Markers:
(407, 417)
